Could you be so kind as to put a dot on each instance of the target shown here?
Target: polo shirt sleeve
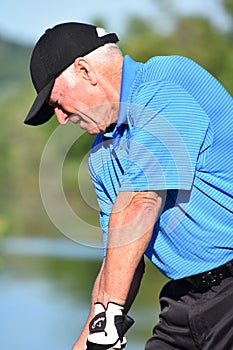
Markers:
(167, 129)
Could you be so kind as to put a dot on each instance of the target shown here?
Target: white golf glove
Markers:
(108, 327)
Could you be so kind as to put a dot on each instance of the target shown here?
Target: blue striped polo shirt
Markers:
(174, 133)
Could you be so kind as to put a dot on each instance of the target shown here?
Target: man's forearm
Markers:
(130, 229)
(81, 342)
(135, 285)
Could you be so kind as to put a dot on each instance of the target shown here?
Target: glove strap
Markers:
(123, 323)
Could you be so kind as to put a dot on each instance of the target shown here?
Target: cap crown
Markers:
(60, 46)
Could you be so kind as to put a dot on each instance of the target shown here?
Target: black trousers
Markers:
(191, 320)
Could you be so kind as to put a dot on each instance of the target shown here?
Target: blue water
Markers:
(35, 312)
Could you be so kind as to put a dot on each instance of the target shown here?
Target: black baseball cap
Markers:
(56, 49)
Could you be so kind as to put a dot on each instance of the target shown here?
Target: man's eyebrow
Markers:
(47, 100)
(51, 103)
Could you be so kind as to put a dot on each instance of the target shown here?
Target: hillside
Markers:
(14, 60)
(20, 146)
(21, 208)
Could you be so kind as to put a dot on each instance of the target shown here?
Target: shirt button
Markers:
(131, 120)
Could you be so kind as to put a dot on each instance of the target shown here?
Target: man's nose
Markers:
(62, 117)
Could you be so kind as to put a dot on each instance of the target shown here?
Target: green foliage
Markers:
(14, 62)
(228, 5)
(194, 37)
(21, 209)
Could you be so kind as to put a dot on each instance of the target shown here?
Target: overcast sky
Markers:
(26, 20)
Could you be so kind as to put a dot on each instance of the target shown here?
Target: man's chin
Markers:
(97, 130)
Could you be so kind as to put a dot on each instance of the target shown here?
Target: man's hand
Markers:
(108, 327)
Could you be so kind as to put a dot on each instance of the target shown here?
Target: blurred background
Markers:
(45, 277)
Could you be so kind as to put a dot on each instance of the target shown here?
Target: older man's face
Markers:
(85, 102)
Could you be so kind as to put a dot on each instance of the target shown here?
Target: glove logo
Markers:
(98, 323)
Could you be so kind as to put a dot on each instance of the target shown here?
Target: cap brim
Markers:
(40, 111)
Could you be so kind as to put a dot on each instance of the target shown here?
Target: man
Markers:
(162, 167)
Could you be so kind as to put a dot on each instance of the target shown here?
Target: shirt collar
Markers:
(129, 71)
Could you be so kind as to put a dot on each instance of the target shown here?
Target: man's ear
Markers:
(85, 70)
